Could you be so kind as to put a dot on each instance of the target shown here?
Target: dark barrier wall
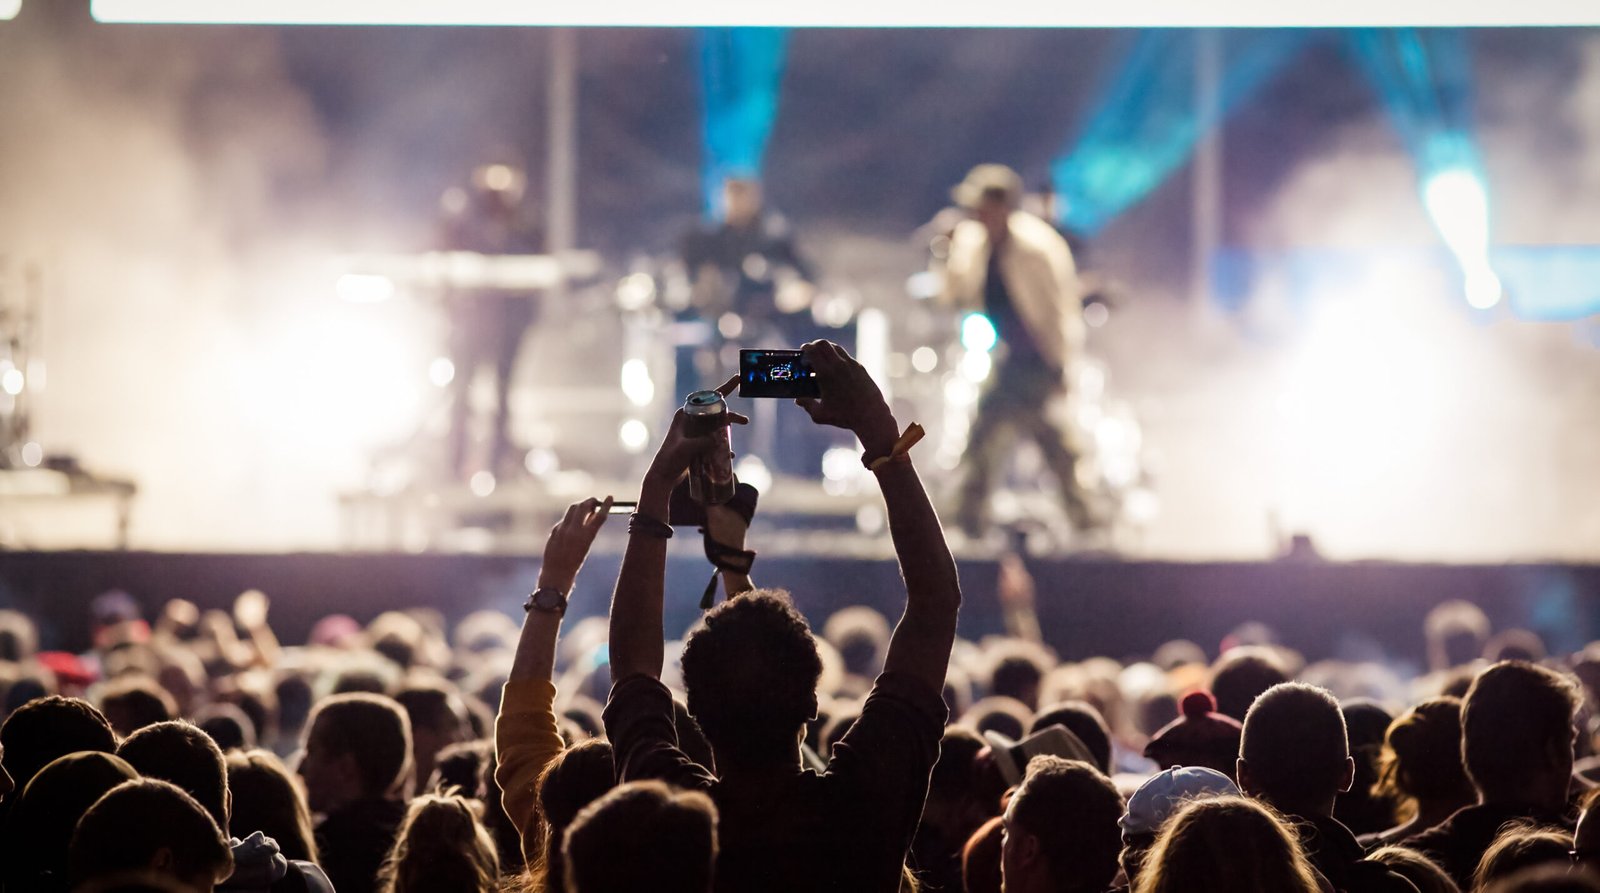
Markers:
(1087, 606)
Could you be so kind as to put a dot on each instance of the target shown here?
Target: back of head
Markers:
(577, 777)
(227, 725)
(19, 639)
(1516, 724)
(140, 823)
(1547, 879)
(1016, 670)
(751, 677)
(441, 845)
(1421, 756)
(42, 819)
(268, 799)
(1456, 633)
(371, 728)
(434, 706)
(643, 836)
(980, 858)
(1424, 873)
(1073, 810)
(44, 729)
(1224, 845)
(1518, 847)
(1081, 719)
(1241, 675)
(182, 754)
(134, 701)
(1294, 746)
(861, 636)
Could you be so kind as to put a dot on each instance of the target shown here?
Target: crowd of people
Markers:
(195, 752)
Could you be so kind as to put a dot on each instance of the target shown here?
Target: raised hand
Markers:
(850, 398)
(678, 449)
(569, 542)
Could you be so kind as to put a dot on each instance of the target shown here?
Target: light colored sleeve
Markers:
(526, 740)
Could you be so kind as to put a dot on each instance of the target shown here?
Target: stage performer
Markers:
(1018, 271)
(487, 325)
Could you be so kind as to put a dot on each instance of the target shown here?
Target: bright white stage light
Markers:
(364, 288)
(1483, 287)
(925, 359)
(751, 470)
(9, 9)
(482, 484)
(636, 383)
(977, 333)
(634, 435)
(32, 454)
(636, 291)
(1459, 205)
(441, 371)
(11, 381)
(976, 366)
(840, 463)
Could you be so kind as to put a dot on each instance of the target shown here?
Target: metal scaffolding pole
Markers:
(561, 157)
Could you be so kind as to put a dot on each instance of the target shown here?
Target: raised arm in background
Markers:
(526, 737)
(920, 646)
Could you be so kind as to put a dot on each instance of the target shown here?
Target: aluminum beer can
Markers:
(711, 480)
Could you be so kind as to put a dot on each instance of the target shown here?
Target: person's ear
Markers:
(1031, 850)
(1241, 772)
(161, 861)
(1349, 777)
(227, 808)
(813, 716)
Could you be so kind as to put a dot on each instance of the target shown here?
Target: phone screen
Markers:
(776, 373)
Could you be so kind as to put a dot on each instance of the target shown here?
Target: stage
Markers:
(1087, 605)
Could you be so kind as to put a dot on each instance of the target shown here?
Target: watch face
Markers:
(549, 600)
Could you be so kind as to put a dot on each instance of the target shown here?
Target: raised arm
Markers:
(637, 637)
(920, 646)
(526, 737)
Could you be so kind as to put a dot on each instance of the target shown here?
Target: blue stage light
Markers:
(1425, 81)
(1147, 123)
(741, 72)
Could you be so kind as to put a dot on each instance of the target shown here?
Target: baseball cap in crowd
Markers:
(1166, 792)
(1012, 756)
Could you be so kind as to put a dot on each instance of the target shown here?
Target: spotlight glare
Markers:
(925, 359)
(976, 365)
(634, 435)
(482, 484)
(441, 371)
(751, 470)
(636, 383)
(364, 288)
(9, 9)
(840, 463)
(12, 381)
(1459, 206)
(978, 334)
(32, 454)
(1483, 288)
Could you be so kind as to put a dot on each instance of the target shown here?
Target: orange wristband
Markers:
(902, 448)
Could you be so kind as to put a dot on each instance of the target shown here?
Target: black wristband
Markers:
(644, 525)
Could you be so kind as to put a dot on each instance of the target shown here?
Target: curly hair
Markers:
(751, 676)
(441, 845)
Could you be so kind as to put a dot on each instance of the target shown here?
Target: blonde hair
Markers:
(1222, 844)
(441, 846)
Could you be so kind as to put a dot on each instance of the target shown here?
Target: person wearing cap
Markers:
(1155, 801)
(1018, 271)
